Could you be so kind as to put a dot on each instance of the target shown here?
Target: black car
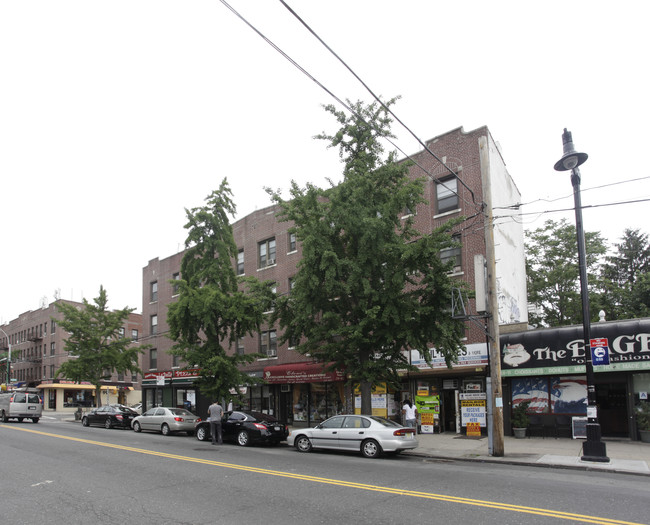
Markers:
(109, 416)
(246, 428)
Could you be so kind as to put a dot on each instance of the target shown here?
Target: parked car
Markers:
(166, 420)
(137, 407)
(246, 428)
(369, 435)
(109, 416)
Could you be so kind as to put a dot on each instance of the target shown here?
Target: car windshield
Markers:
(262, 417)
(384, 422)
(180, 412)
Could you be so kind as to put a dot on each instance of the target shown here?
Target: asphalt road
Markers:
(60, 472)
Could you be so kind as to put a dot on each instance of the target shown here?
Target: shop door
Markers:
(612, 409)
(448, 416)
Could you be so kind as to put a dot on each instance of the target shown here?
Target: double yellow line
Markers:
(347, 484)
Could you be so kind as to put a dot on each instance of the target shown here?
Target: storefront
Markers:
(449, 398)
(173, 388)
(547, 367)
(68, 396)
(304, 394)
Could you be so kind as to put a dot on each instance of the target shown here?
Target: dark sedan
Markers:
(246, 428)
(118, 416)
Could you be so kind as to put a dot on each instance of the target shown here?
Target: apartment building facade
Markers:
(302, 392)
(38, 350)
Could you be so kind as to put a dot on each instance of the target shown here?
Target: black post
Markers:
(593, 449)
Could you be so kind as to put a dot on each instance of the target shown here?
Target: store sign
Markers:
(302, 373)
(474, 355)
(562, 350)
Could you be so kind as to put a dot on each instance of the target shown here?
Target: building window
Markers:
(154, 291)
(241, 350)
(292, 242)
(52, 348)
(120, 377)
(176, 361)
(240, 262)
(154, 325)
(53, 327)
(269, 343)
(122, 332)
(153, 359)
(52, 371)
(266, 253)
(447, 195)
(134, 335)
(292, 284)
(176, 288)
(452, 254)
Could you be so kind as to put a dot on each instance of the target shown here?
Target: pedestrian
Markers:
(410, 414)
(215, 413)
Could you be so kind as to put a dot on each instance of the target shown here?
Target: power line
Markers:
(347, 107)
(380, 101)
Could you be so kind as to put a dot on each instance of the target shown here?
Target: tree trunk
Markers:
(366, 397)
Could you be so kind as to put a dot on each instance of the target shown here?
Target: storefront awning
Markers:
(302, 373)
(66, 386)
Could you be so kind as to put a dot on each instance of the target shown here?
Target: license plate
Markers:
(277, 429)
(409, 434)
(32, 408)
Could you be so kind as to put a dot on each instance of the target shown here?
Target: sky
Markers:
(117, 116)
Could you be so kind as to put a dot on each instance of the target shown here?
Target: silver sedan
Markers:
(369, 435)
(166, 420)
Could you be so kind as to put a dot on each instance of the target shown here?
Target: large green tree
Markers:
(626, 278)
(215, 307)
(96, 342)
(553, 276)
(369, 285)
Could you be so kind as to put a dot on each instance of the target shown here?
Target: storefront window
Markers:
(78, 398)
(186, 398)
(300, 402)
(641, 383)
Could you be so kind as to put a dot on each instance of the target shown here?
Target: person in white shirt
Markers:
(410, 414)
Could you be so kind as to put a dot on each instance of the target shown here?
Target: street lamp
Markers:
(593, 449)
(8, 357)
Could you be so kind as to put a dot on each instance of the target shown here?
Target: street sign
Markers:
(599, 351)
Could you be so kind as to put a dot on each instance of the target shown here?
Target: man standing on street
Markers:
(215, 413)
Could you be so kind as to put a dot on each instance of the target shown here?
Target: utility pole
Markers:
(492, 306)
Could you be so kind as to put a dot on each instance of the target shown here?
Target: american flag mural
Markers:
(533, 389)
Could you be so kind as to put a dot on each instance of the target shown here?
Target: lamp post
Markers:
(593, 449)
(8, 357)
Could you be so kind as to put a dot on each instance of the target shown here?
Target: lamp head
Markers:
(571, 158)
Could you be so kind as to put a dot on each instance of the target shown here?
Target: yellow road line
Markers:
(348, 484)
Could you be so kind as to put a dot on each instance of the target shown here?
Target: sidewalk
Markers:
(625, 455)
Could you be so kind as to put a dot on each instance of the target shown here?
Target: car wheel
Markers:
(85, 422)
(35, 420)
(370, 448)
(165, 429)
(137, 427)
(243, 438)
(108, 424)
(303, 444)
(201, 434)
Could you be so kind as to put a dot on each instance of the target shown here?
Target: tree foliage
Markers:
(626, 278)
(369, 285)
(96, 344)
(215, 307)
(553, 274)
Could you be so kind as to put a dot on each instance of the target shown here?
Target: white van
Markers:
(21, 404)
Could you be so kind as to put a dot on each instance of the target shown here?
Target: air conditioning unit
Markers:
(271, 261)
(285, 388)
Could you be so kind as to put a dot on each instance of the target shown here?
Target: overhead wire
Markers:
(346, 106)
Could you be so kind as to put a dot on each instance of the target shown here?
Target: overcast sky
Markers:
(116, 116)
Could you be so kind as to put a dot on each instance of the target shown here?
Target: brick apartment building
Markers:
(38, 350)
(301, 392)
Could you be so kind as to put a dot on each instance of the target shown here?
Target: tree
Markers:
(626, 281)
(96, 343)
(215, 307)
(553, 276)
(369, 285)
